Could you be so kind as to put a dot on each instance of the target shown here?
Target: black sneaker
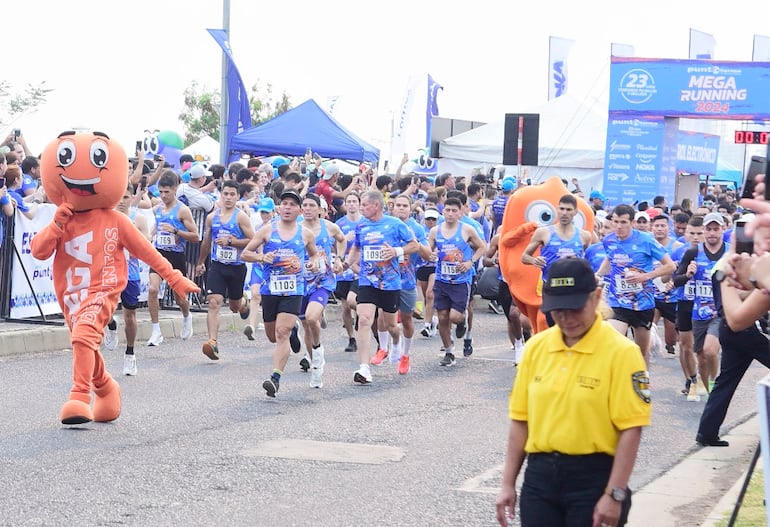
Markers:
(686, 389)
(352, 345)
(425, 332)
(711, 442)
(467, 347)
(460, 330)
(304, 363)
(448, 360)
(271, 387)
(671, 349)
(294, 340)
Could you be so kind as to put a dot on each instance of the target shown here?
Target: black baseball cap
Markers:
(570, 282)
(291, 194)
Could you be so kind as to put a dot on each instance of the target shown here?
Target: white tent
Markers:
(204, 149)
(572, 139)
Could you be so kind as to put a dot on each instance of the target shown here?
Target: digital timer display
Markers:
(750, 138)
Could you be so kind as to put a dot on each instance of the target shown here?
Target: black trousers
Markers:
(738, 351)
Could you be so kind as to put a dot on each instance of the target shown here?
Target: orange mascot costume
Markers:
(86, 174)
(527, 209)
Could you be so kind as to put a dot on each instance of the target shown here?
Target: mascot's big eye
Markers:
(99, 154)
(65, 153)
(579, 220)
(425, 162)
(540, 212)
(151, 144)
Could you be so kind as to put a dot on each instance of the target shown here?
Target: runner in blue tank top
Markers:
(665, 293)
(129, 298)
(347, 281)
(458, 248)
(174, 227)
(380, 243)
(320, 283)
(286, 245)
(697, 264)
(228, 230)
(563, 240)
(628, 265)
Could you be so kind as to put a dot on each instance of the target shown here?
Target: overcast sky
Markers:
(122, 67)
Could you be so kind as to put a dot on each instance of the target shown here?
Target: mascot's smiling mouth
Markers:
(81, 187)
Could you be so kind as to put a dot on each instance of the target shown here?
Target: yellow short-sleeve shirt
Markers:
(577, 399)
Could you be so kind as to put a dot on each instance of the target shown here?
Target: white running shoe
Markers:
(111, 338)
(129, 365)
(187, 330)
(155, 339)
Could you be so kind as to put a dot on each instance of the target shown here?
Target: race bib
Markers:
(622, 286)
(283, 284)
(373, 253)
(689, 290)
(166, 239)
(226, 254)
(703, 289)
(449, 269)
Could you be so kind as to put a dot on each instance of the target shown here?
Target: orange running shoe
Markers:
(380, 356)
(403, 365)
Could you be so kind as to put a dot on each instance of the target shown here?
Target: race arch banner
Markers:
(689, 88)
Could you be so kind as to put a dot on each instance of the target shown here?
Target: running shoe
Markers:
(271, 387)
(294, 339)
(111, 337)
(467, 347)
(494, 307)
(211, 350)
(155, 339)
(129, 365)
(380, 356)
(403, 365)
(304, 363)
(686, 389)
(426, 332)
(448, 360)
(363, 375)
(352, 345)
(460, 330)
(187, 329)
(248, 330)
(244, 311)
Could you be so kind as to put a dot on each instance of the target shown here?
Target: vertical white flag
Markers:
(621, 50)
(701, 45)
(558, 50)
(402, 123)
(761, 51)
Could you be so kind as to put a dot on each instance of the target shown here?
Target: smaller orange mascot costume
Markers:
(527, 209)
(86, 174)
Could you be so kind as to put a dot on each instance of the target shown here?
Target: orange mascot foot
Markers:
(107, 402)
(75, 412)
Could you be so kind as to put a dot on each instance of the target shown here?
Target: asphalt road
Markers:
(198, 443)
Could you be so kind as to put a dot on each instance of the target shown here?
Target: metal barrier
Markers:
(192, 252)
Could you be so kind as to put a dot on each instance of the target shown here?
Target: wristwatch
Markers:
(617, 493)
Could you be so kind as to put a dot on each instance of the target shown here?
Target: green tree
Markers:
(13, 103)
(200, 115)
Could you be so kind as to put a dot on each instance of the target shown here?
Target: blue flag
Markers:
(238, 111)
(432, 107)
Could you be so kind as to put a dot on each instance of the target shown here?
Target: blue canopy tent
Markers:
(307, 125)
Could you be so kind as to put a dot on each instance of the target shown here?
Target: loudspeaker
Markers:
(529, 126)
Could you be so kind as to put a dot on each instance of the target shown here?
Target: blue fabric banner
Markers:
(689, 88)
(238, 111)
(697, 153)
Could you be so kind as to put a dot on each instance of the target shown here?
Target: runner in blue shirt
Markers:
(380, 243)
(628, 266)
(347, 280)
(286, 246)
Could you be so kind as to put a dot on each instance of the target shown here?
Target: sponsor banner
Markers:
(696, 153)
(632, 159)
(689, 88)
(40, 272)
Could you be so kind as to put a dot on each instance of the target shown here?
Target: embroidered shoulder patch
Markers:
(641, 383)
